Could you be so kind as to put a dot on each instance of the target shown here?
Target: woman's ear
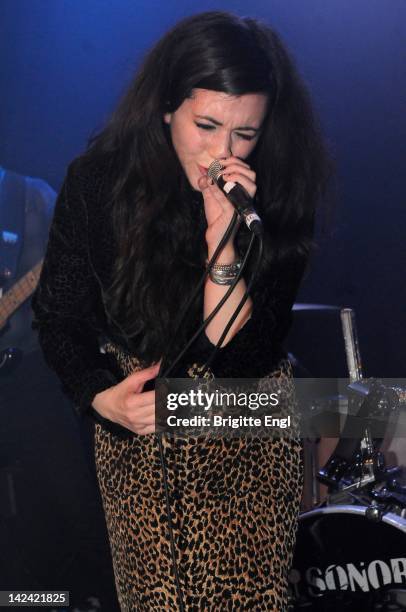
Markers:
(167, 118)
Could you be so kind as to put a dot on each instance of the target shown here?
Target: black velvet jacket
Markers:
(68, 303)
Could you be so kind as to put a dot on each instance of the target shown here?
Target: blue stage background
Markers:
(65, 62)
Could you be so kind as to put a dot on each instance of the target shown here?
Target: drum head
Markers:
(344, 562)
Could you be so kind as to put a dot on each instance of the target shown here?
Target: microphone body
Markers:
(238, 197)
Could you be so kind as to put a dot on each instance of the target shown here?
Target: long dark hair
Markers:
(158, 219)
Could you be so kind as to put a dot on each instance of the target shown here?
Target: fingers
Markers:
(215, 193)
(146, 430)
(135, 382)
(237, 171)
(142, 416)
(138, 406)
(203, 182)
(140, 400)
(126, 404)
(231, 160)
(245, 181)
(216, 204)
(238, 164)
(139, 413)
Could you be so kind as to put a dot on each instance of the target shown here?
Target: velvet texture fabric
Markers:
(69, 301)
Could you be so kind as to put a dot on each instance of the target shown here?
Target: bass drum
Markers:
(345, 562)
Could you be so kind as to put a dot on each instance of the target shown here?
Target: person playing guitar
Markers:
(26, 209)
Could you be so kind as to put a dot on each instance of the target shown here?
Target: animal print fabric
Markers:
(234, 504)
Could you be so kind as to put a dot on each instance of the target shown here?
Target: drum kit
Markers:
(350, 551)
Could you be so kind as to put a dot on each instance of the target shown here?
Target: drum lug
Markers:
(374, 512)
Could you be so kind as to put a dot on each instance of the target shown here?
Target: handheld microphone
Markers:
(238, 197)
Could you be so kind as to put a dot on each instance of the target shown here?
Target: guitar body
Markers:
(10, 358)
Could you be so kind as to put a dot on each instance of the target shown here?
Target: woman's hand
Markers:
(127, 404)
(218, 209)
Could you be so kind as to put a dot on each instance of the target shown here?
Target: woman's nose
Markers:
(221, 147)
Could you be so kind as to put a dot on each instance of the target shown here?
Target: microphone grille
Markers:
(214, 169)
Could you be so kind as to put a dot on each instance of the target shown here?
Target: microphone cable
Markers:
(165, 375)
(208, 362)
(196, 291)
(242, 301)
(215, 310)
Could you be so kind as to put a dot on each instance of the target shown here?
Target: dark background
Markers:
(64, 63)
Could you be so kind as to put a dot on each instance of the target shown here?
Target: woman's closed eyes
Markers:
(207, 126)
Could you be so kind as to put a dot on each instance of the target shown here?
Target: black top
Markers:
(68, 303)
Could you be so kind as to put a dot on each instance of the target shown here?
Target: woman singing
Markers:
(135, 223)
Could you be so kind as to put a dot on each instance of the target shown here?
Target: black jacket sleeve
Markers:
(66, 299)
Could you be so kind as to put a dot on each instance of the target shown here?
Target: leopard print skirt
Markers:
(234, 504)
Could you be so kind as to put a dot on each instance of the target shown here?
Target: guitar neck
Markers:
(19, 292)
